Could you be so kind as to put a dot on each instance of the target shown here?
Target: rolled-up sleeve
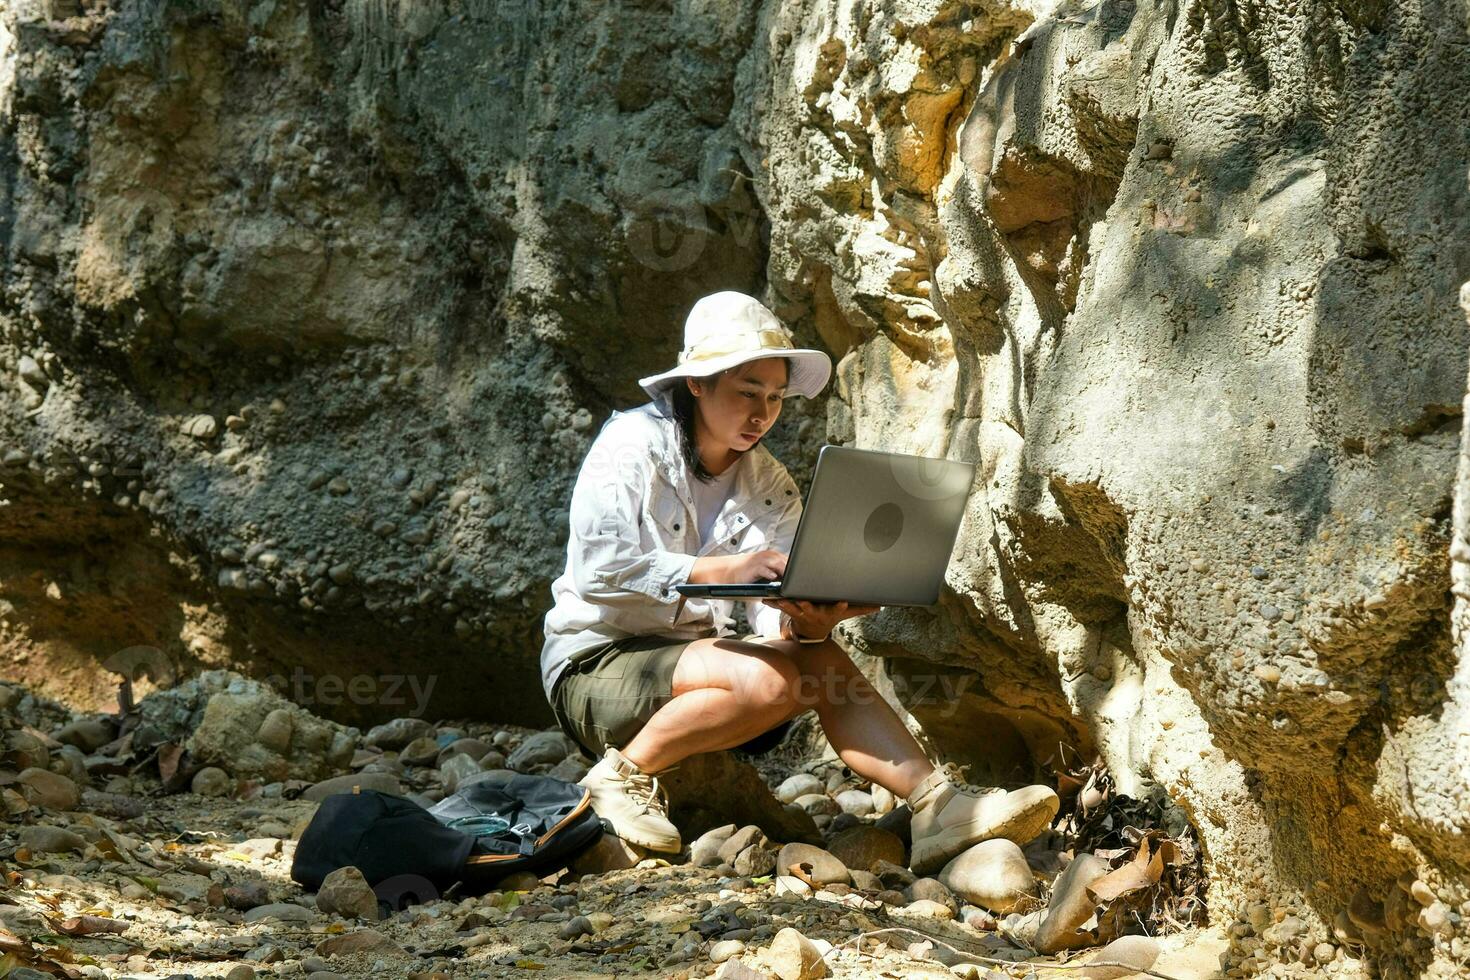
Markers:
(766, 620)
(608, 561)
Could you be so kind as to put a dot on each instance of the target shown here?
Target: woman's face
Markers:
(740, 406)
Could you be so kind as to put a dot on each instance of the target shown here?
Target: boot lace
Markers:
(955, 776)
(645, 790)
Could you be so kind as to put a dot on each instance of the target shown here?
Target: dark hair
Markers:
(683, 400)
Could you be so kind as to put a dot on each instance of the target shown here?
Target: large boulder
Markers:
(229, 726)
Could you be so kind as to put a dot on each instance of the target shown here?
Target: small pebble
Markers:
(725, 949)
(576, 927)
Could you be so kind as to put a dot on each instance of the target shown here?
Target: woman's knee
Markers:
(828, 675)
(769, 683)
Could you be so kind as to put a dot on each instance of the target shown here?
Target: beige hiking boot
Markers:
(950, 815)
(632, 802)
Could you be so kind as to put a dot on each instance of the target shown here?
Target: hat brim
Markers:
(810, 371)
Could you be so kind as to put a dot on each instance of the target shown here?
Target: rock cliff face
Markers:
(309, 311)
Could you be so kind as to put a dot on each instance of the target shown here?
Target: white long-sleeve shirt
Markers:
(633, 539)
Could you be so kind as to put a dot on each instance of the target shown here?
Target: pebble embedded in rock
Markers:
(275, 731)
(202, 427)
(993, 875)
(1422, 893)
(1435, 920)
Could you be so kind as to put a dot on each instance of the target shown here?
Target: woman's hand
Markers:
(758, 566)
(815, 620)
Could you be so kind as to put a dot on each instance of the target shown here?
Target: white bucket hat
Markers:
(727, 329)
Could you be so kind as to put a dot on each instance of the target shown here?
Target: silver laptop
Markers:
(877, 529)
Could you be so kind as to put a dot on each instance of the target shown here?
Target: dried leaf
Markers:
(169, 756)
(91, 925)
(804, 873)
(1143, 871)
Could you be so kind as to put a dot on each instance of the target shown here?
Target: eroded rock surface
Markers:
(308, 312)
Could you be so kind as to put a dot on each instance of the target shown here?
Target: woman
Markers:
(681, 490)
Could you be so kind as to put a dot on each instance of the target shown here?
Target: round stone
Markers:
(825, 868)
(725, 949)
(859, 848)
(211, 781)
(855, 802)
(801, 784)
(818, 804)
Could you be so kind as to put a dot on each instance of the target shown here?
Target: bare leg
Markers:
(864, 729)
(725, 693)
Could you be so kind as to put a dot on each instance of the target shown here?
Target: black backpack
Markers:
(474, 838)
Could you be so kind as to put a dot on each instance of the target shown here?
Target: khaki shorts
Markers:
(607, 695)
